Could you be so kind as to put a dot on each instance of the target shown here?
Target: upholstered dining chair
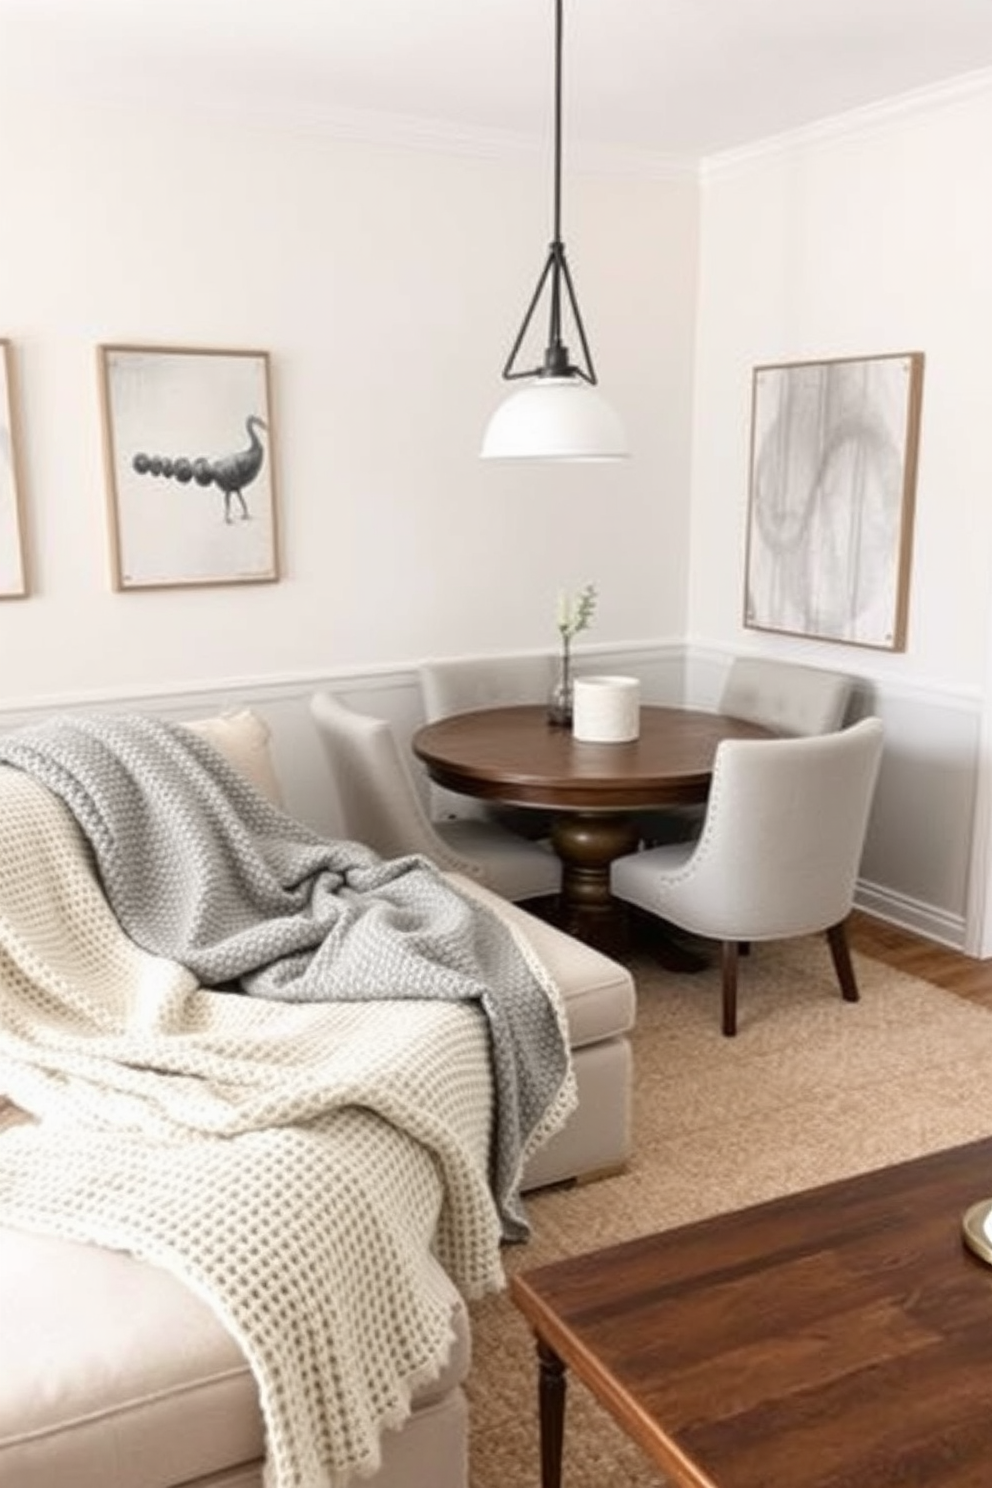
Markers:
(464, 685)
(779, 852)
(787, 697)
(380, 806)
(784, 696)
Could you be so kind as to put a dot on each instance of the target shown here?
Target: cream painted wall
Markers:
(873, 235)
(386, 283)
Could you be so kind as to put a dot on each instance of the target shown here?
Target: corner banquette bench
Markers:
(114, 1374)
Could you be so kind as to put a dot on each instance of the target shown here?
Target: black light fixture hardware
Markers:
(556, 360)
(546, 420)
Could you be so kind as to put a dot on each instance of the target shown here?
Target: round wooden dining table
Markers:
(516, 757)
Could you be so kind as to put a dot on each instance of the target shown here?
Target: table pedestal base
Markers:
(587, 843)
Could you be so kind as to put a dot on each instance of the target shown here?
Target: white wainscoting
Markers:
(918, 855)
(917, 861)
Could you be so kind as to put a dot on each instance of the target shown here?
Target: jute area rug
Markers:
(811, 1089)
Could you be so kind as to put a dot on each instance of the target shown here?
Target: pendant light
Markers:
(557, 414)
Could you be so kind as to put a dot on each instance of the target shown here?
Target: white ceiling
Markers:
(678, 78)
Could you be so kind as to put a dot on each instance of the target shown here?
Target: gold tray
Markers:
(973, 1229)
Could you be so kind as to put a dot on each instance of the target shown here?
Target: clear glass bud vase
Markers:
(560, 701)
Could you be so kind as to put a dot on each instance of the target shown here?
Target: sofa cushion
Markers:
(242, 737)
(114, 1375)
(598, 993)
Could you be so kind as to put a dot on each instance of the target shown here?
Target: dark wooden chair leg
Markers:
(729, 952)
(841, 953)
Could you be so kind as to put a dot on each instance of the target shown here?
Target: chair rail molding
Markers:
(926, 861)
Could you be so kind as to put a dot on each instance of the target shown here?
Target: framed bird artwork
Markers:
(188, 444)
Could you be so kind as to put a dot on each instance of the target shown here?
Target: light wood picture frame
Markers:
(188, 444)
(13, 559)
(833, 463)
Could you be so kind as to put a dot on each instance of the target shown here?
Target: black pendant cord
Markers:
(556, 359)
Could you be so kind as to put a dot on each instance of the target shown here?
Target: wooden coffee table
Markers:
(836, 1338)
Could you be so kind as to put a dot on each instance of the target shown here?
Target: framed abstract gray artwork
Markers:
(13, 571)
(832, 489)
(188, 446)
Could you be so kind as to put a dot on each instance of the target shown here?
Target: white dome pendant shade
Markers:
(554, 418)
(556, 414)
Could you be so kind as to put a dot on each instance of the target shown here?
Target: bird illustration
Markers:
(230, 472)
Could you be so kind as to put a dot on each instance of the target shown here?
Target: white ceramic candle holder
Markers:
(606, 710)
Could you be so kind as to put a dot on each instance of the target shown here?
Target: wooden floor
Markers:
(922, 958)
(903, 949)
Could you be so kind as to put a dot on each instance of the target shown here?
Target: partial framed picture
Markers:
(188, 443)
(832, 492)
(13, 567)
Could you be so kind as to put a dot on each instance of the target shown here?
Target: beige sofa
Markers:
(115, 1375)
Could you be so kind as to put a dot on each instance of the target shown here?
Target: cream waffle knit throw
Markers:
(200, 868)
(294, 1163)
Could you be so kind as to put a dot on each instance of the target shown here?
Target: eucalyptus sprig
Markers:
(575, 612)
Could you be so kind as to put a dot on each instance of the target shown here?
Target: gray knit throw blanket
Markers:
(199, 868)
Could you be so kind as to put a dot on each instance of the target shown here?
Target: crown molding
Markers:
(304, 118)
(853, 123)
(281, 112)
(392, 131)
(403, 131)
